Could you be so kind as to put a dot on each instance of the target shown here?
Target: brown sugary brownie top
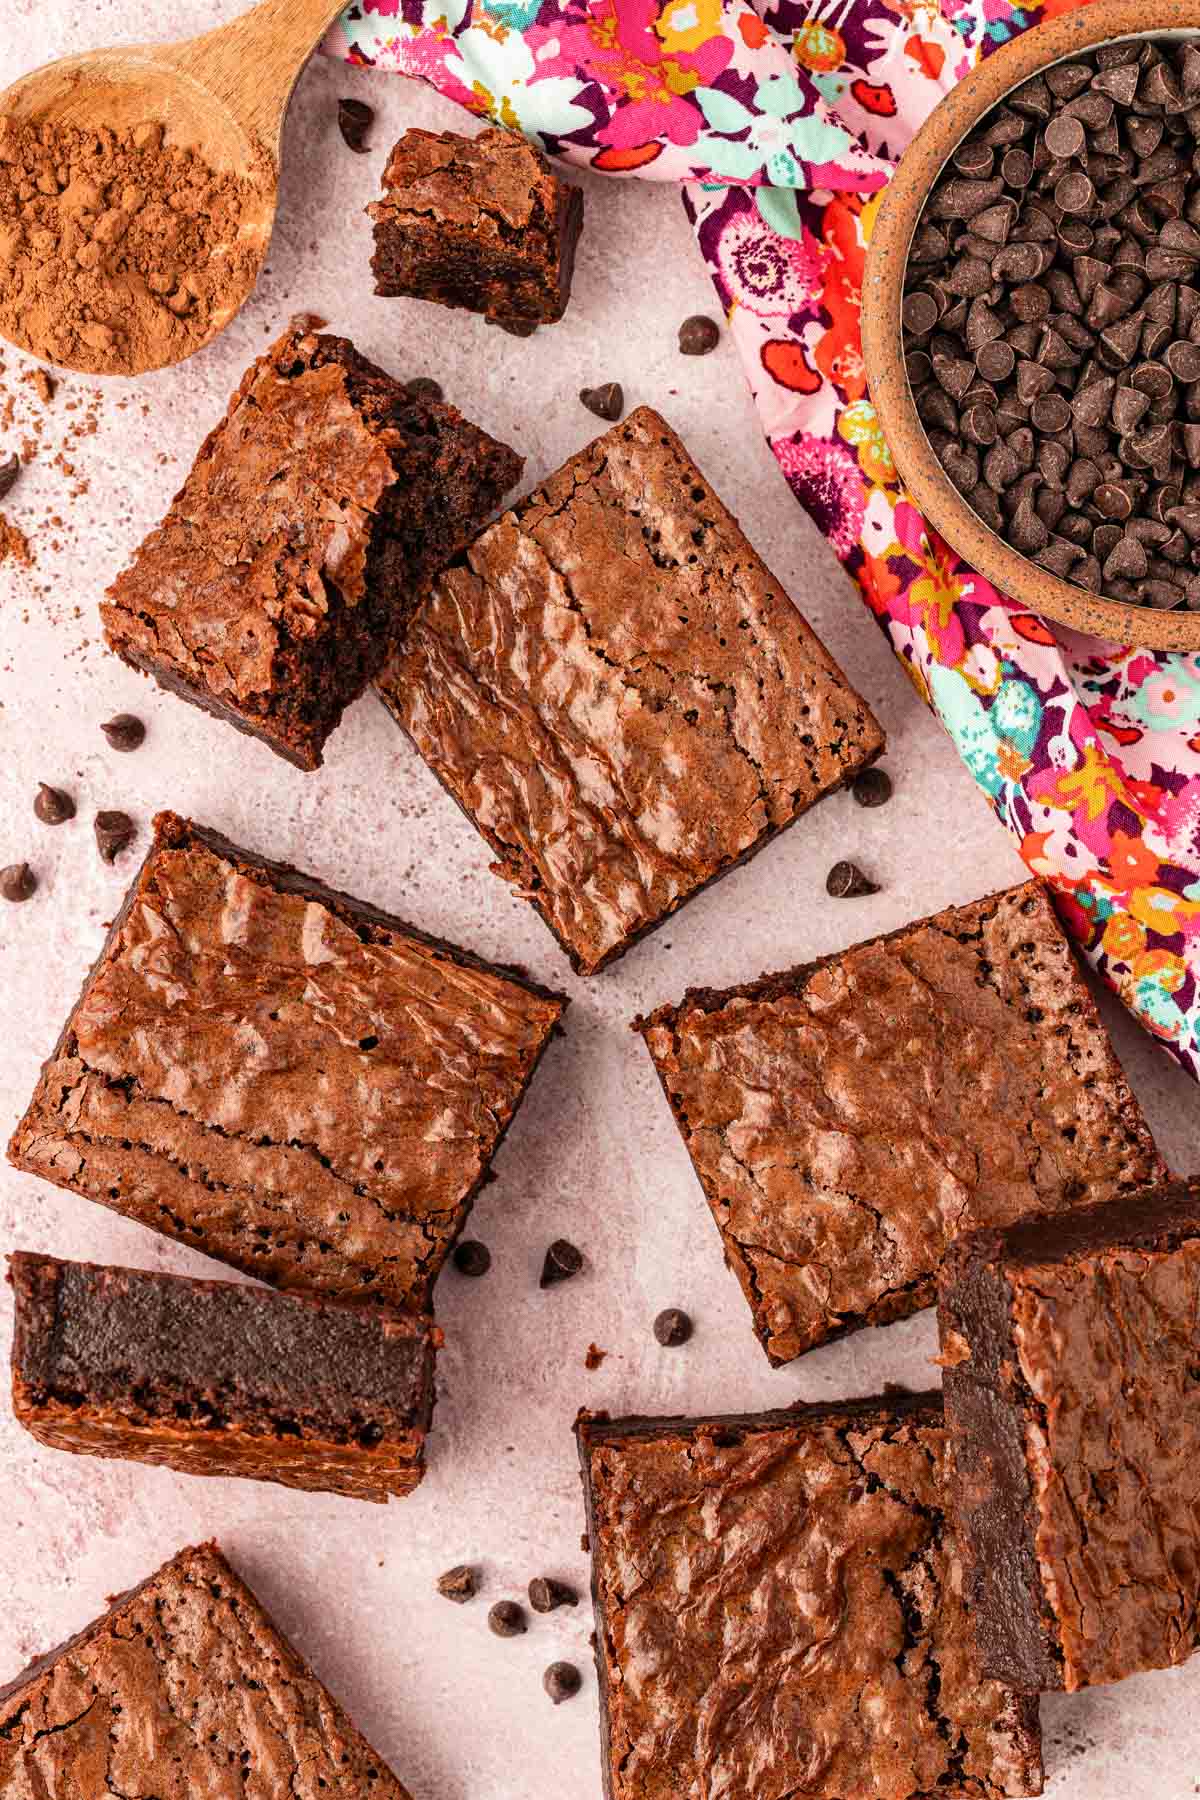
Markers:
(295, 1082)
(1085, 1330)
(778, 1610)
(184, 1687)
(493, 185)
(848, 1118)
(86, 1334)
(620, 694)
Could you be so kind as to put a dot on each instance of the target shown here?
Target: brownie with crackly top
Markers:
(849, 1117)
(620, 695)
(482, 223)
(779, 1610)
(287, 1078)
(184, 1686)
(211, 1378)
(313, 517)
(1072, 1377)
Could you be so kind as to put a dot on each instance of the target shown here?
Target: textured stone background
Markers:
(594, 1155)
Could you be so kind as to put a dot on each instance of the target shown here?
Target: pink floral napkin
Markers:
(781, 123)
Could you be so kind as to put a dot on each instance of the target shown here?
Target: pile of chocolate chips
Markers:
(1052, 321)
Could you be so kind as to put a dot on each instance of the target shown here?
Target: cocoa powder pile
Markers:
(118, 253)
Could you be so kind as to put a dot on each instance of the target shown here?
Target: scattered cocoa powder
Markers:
(14, 544)
(120, 253)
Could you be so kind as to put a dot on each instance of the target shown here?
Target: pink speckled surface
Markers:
(594, 1155)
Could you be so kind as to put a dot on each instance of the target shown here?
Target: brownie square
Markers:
(284, 1077)
(1072, 1370)
(313, 516)
(481, 223)
(620, 695)
(849, 1117)
(212, 1378)
(183, 1687)
(779, 1611)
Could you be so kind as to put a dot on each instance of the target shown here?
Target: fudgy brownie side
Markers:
(1070, 1379)
(215, 1379)
(319, 1100)
(778, 1605)
(620, 696)
(848, 1117)
(182, 1679)
(481, 223)
(313, 516)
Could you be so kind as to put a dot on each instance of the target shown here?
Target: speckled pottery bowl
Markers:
(1009, 571)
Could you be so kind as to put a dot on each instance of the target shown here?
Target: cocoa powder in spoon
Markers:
(117, 252)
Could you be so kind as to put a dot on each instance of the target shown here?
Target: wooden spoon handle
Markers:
(254, 63)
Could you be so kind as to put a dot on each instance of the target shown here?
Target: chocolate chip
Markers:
(563, 1261)
(1114, 499)
(355, 119)
(995, 362)
(115, 831)
(124, 732)
(507, 1619)
(52, 806)
(17, 882)
(673, 1327)
(561, 1681)
(698, 335)
(979, 425)
(1119, 84)
(1074, 192)
(10, 468)
(459, 1584)
(1064, 137)
(1050, 413)
(920, 312)
(872, 787)
(1129, 404)
(424, 387)
(472, 1258)
(1016, 168)
(607, 402)
(846, 881)
(1183, 360)
(545, 1594)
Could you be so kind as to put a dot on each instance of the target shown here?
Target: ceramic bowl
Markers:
(948, 512)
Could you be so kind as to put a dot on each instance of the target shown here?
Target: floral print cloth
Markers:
(782, 120)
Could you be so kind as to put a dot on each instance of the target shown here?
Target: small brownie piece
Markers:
(184, 1686)
(620, 695)
(314, 514)
(284, 1077)
(779, 1611)
(482, 223)
(1072, 1370)
(849, 1117)
(215, 1379)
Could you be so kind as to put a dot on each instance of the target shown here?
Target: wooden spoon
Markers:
(223, 95)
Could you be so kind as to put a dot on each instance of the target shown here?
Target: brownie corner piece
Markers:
(1071, 1376)
(620, 695)
(779, 1608)
(480, 223)
(184, 1678)
(314, 514)
(285, 1077)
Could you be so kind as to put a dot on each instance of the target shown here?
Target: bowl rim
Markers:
(1014, 575)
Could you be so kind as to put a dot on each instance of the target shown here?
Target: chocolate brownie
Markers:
(216, 1379)
(1071, 1376)
(849, 1117)
(284, 1077)
(482, 223)
(779, 1611)
(184, 1686)
(314, 514)
(620, 695)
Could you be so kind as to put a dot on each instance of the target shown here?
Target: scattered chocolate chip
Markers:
(355, 119)
(459, 1584)
(673, 1327)
(507, 1619)
(17, 882)
(9, 470)
(563, 1261)
(561, 1681)
(872, 787)
(846, 881)
(44, 386)
(424, 387)
(545, 1594)
(698, 335)
(472, 1258)
(593, 1357)
(52, 806)
(115, 831)
(124, 732)
(607, 402)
